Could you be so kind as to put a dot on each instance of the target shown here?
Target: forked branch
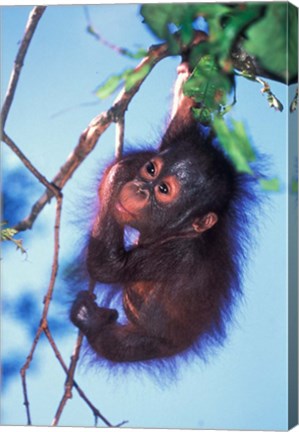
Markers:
(47, 300)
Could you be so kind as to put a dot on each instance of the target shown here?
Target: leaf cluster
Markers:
(8, 234)
(247, 39)
(251, 37)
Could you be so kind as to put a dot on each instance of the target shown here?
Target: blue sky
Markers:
(244, 385)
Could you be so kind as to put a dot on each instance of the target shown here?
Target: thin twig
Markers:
(71, 373)
(28, 164)
(47, 301)
(23, 374)
(95, 411)
(70, 376)
(90, 136)
(69, 381)
(91, 30)
(31, 25)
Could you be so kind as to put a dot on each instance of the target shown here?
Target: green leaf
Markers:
(140, 53)
(208, 85)
(236, 144)
(166, 19)
(187, 32)
(210, 10)
(174, 23)
(7, 234)
(243, 140)
(202, 115)
(130, 77)
(270, 185)
(239, 18)
(268, 39)
(133, 77)
(159, 18)
(110, 86)
(225, 26)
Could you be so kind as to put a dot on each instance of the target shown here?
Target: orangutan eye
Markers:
(163, 188)
(150, 169)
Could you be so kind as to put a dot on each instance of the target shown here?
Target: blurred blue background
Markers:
(243, 385)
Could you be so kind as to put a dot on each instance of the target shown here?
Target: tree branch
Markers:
(95, 411)
(91, 135)
(69, 381)
(32, 23)
(47, 300)
(119, 137)
(54, 190)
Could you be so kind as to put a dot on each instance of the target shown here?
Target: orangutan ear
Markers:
(206, 222)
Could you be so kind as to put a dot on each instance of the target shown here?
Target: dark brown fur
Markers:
(180, 282)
